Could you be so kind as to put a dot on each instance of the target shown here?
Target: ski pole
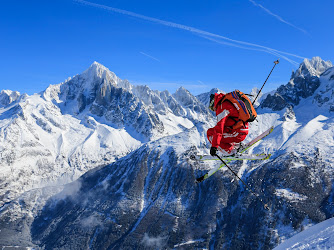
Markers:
(276, 62)
(248, 187)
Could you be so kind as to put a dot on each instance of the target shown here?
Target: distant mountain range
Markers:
(96, 162)
(55, 136)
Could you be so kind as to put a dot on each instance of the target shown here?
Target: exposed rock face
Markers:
(276, 102)
(324, 96)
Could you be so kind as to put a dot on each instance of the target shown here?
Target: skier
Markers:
(230, 129)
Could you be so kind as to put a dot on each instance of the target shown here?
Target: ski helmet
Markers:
(212, 102)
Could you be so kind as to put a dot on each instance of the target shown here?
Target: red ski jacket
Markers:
(227, 115)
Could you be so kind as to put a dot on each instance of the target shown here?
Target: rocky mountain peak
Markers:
(181, 90)
(79, 92)
(184, 96)
(99, 92)
(314, 67)
(97, 74)
(205, 97)
(8, 96)
(303, 83)
(97, 67)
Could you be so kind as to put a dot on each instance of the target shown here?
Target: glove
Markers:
(213, 151)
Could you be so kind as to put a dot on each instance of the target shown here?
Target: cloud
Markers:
(70, 190)
(204, 34)
(277, 17)
(147, 55)
(91, 221)
(154, 242)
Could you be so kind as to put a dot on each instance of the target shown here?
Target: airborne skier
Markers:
(233, 110)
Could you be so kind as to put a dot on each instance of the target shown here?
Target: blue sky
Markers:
(163, 44)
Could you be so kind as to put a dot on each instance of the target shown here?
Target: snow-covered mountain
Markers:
(205, 97)
(148, 199)
(320, 236)
(302, 84)
(90, 120)
(100, 93)
(8, 96)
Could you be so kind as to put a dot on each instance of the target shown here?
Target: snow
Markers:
(35, 133)
(307, 134)
(8, 96)
(18, 247)
(53, 137)
(175, 124)
(315, 67)
(320, 236)
(189, 242)
(290, 195)
(44, 142)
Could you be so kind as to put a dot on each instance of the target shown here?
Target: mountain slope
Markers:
(151, 193)
(40, 146)
(319, 236)
(54, 137)
(149, 199)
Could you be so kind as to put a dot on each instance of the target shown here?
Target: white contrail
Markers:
(273, 52)
(147, 55)
(277, 16)
(202, 33)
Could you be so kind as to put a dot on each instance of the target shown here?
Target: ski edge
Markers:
(257, 139)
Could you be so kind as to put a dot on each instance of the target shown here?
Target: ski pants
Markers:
(228, 139)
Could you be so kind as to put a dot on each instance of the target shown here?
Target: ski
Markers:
(246, 146)
(237, 157)
(211, 172)
(241, 150)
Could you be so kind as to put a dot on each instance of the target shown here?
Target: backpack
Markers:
(244, 106)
